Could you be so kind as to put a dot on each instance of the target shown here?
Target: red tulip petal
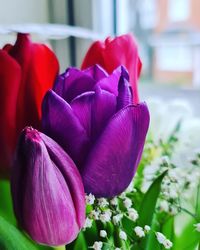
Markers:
(94, 56)
(39, 68)
(112, 53)
(123, 51)
(10, 75)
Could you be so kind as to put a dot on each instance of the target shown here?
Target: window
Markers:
(148, 15)
(174, 58)
(178, 10)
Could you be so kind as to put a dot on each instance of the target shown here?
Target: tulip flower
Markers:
(27, 71)
(47, 190)
(112, 53)
(92, 116)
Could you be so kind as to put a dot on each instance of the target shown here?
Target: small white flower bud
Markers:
(197, 227)
(164, 206)
(94, 214)
(90, 199)
(147, 228)
(167, 244)
(102, 202)
(117, 218)
(103, 233)
(97, 245)
(127, 203)
(133, 214)
(88, 223)
(105, 216)
(139, 231)
(173, 194)
(130, 188)
(122, 235)
(160, 237)
(114, 201)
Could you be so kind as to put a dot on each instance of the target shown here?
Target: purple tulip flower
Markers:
(92, 116)
(47, 190)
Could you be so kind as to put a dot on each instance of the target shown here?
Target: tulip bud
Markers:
(47, 190)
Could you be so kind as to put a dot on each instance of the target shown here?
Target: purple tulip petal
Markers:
(71, 174)
(72, 83)
(93, 110)
(110, 83)
(96, 72)
(60, 123)
(125, 96)
(42, 200)
(113, 161)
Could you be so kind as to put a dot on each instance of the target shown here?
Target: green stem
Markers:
(188, 212)
(197, 198)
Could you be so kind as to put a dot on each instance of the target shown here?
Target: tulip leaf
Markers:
(78, 244)
(6, 208)
(168, 228)
(12, 239)
(148, 205)
(197, 208)
(128, 226)
(7, 216)
(152, 241)
(188, 238)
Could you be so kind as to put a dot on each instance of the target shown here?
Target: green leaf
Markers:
(148, 205)
(78, 244)
(128, 226)
(6, 212)
(168, 228)
(197, 205)
(6, 208)
(12, 239)
(152, 241)
(188, 238)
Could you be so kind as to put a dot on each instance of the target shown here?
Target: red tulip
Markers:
(27, 71)
(112, 53)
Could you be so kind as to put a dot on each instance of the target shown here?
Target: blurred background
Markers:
(167, 31)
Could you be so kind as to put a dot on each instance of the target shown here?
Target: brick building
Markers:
(176, 42)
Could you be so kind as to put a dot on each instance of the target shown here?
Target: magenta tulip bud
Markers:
(47, 190)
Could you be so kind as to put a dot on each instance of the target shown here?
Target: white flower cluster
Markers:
(163, 240)
(165, 117)
(154, 169)
(140, 232)
(105, 216)
(117, 218)
(133, 214)
(102, 202)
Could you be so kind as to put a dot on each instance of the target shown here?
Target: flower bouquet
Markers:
(75, 170)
